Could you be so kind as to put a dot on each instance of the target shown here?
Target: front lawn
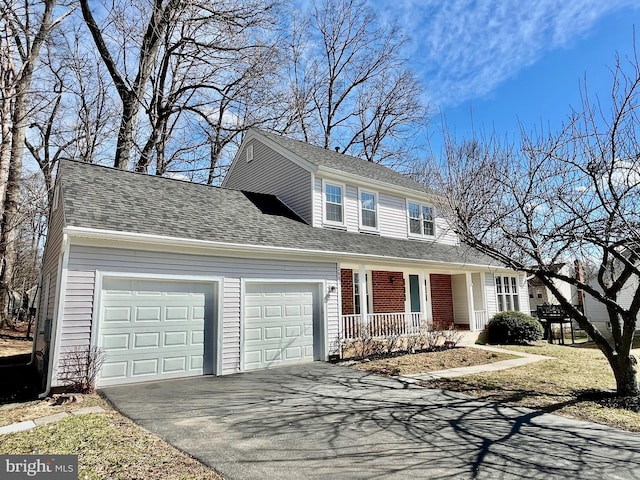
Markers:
(577, 383)
(108, 445)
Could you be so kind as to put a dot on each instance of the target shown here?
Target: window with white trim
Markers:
(507, 293)
(368, 210)
(249, 153)
(421, 219)
(333, 203)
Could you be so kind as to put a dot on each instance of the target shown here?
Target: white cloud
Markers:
(466, 48)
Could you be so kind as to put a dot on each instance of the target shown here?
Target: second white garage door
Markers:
(279, 324)
(155, 329)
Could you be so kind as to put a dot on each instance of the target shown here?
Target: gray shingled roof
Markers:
(109, 199)
(345, 163)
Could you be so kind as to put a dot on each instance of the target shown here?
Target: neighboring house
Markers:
(596, 311)
(302, 244)
(539, 294)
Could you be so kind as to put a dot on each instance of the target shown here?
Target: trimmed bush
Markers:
(514, 328)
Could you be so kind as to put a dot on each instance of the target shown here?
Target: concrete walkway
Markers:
(525, 359)
(30, 424)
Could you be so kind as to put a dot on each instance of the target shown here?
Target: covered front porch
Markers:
(399, 301)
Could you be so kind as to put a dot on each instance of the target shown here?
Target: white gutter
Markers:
(61, 285)
(92, 233)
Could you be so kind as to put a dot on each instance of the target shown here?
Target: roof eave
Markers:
(161, 240)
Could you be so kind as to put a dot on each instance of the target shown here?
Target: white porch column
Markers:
(424, 305)
(362, 280)
(472, 315)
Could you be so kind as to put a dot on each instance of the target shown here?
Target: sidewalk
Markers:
(30, 424)
(525, 359)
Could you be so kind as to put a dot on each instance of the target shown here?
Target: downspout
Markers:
(54, 340)
(36, 323)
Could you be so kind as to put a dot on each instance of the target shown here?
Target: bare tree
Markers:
(349, 82)
(26, 28)
(559, 197)
(163, 67)
(71, 114)
(131, 90)
(213, 80)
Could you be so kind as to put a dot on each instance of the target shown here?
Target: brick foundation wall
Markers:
(441, 299)
(387, 297)
(346, 285)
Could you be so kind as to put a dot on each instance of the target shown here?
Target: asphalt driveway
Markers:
(320, 421)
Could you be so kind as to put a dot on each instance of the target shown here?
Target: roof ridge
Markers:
(160, 178)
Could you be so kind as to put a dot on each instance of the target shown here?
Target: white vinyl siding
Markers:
(46, 301)
(490, 294)
(460, 302)
(270, 172)
(392, 217)
(525, 306)
(85, 260)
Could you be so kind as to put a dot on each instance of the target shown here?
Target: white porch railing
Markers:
(479, 320)
(381, 324)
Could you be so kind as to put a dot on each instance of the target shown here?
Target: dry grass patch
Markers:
(415, 363)
(109, 446)
(577, 383)
(20, 412)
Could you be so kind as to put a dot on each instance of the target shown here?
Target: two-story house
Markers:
(299, 246)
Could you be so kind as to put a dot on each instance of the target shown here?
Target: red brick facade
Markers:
(388, 292)
(346, 285)
(441, 299)
(388, 296)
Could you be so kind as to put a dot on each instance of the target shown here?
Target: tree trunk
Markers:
(625, 369)
(125, 135)
(11, 201)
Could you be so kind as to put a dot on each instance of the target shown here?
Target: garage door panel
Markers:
(172, 339)
(115, 341)
(278, 326)
(177, 314)
(293, 331)
(272, 311)
(116, 314)
(174, 364)
(114, 371)
(154, 331)
(147, 314)
(146, 340)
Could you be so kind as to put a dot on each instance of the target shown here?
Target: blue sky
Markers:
(490, 64)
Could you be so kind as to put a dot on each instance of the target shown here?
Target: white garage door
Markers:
(152, 330)
(278, 324)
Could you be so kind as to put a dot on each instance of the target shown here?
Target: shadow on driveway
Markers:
(325, 421)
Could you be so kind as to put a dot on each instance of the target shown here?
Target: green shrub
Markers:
(514, 328)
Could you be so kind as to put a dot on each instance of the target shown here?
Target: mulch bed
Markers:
(408, 364)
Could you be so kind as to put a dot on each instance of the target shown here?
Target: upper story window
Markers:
(421, 219)
(368, 210)
(507, 293)
(334, 203)
(249, 153)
